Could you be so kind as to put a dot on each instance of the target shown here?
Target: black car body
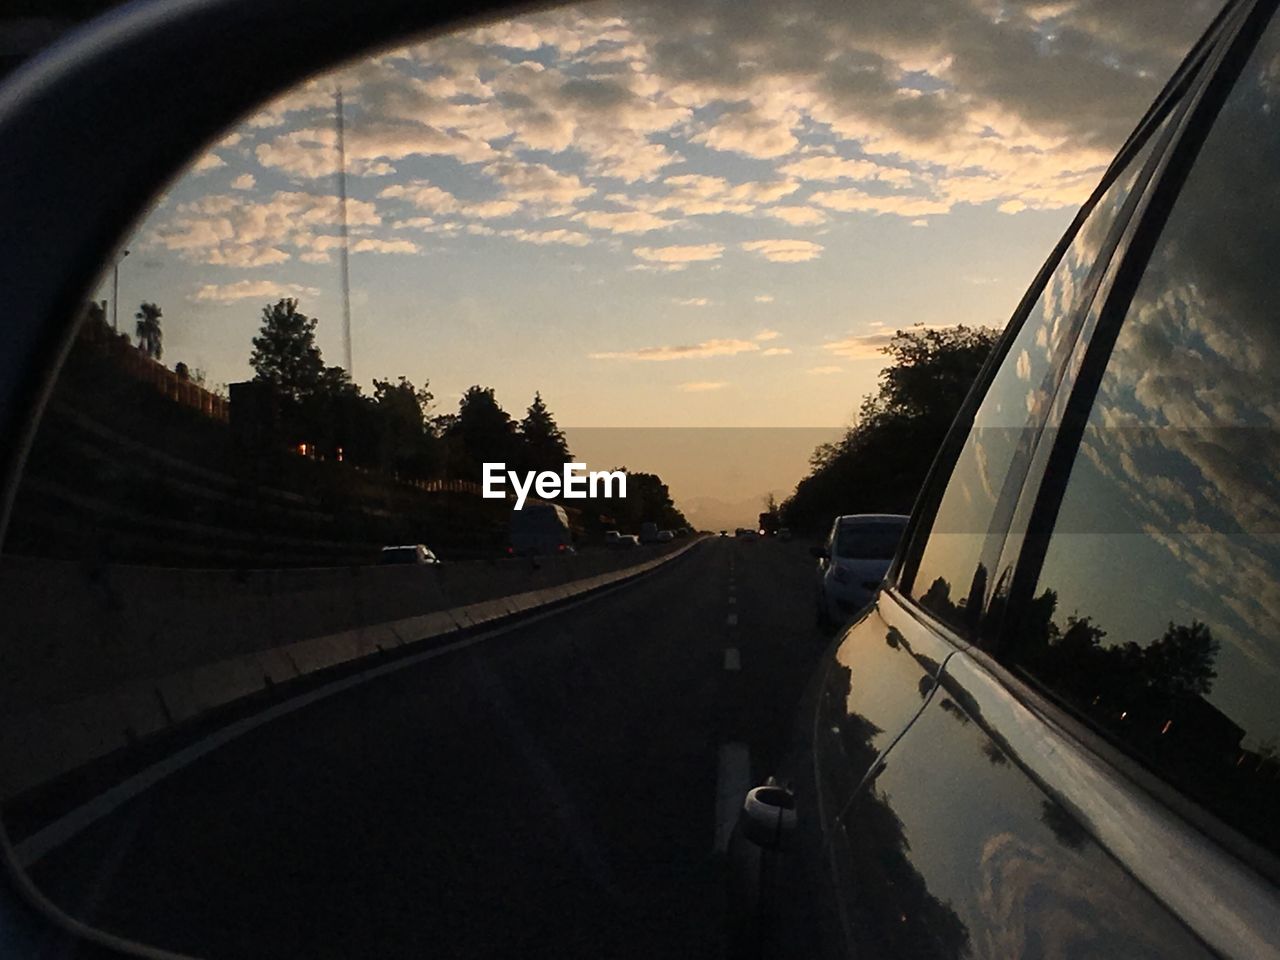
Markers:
(1053, 734)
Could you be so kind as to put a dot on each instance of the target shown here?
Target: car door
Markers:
(1060, 793)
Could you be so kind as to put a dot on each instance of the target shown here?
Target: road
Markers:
(550, 791)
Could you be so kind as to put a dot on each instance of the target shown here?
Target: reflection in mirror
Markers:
(281, 679)
(1174, 492)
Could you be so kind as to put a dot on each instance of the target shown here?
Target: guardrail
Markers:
(114, 663)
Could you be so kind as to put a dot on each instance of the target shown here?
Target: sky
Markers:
(671, 215)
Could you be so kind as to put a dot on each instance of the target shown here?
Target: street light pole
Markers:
(115, 293)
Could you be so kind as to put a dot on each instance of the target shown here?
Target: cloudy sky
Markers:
(677, 214)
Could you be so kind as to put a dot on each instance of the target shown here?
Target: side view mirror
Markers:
(768, 815)
(822, 553)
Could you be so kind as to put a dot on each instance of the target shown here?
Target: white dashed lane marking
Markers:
(732, 659)
(733, 620)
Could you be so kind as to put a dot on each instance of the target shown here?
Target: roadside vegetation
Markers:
(880, 463)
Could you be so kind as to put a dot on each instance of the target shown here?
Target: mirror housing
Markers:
(768, 815)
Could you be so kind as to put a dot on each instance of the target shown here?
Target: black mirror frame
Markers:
(80, 165)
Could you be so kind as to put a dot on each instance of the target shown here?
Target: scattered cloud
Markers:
(624, 221)
(864, 347)
(570, 238)
(825, 371)
(372, 245)
(245, 181)
(702, 386)
(777, 352)
(797, 216)
(784, 251)
(210, 161)
(250, 289)
(691, 301)
(707, 348)
(763, 298)
(230, 230)
(767, 335)
(853, 200)
(681, 254)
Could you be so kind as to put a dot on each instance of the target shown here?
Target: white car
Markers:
(416, 554)
(666, 536)
(853, 561)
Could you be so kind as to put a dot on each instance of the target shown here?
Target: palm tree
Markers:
(148, 330)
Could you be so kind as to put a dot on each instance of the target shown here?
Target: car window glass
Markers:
(869, 541)
(1157, 612)
(951, 579)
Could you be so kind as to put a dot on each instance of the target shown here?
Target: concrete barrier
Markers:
(99, 659)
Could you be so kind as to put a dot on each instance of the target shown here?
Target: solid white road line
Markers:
(733, 776)
(732, 659)
(733, 620)
(733, 600)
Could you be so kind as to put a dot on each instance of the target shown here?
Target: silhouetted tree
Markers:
(647, 501)
(884, 456)
(150, 337)
(285, 352)
(482, 432)
(1180, 663)
(406, 445)
(542, 441)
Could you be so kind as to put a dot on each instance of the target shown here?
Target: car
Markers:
(852, 562)
(412, 553)
(747, 534)
(648, 532)
(540, 529)
(784, 534)
(621, 541)
(1052, 730)
(724, 533)
(666, 536)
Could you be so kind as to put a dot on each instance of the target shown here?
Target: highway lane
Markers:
(548, 792)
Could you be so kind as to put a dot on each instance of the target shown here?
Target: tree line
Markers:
(398, 432)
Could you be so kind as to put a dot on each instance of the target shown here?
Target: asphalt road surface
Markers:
(556, 790)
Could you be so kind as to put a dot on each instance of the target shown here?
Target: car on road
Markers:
(666, 536)
(784, 534)
(1052, 731)
(648, 532)
(621, 541)
(852, 562)
(416, 554)
(540, 529)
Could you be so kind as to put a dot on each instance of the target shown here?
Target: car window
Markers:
(1157, 611)
(951, 579)
(869, 541)
(402, 555)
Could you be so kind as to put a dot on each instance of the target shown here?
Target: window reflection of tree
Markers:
(1154, 698)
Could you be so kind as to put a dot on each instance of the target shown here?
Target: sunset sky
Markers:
(697, 214)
